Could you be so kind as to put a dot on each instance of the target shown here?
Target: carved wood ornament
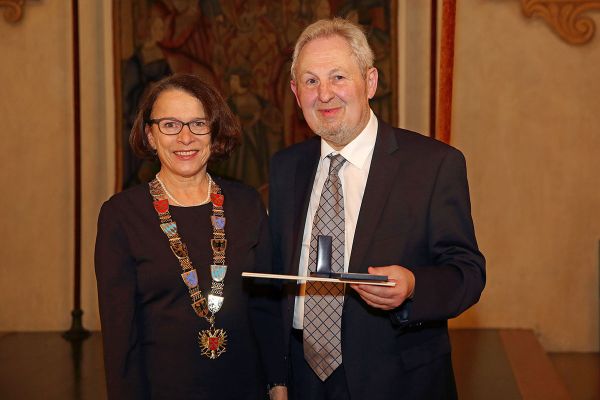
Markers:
(13, 11)
(565, 17)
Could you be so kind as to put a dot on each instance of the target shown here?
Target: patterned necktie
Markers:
(323, 301)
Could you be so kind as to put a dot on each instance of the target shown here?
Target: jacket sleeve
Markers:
(455, 279)
(264, 308)
(116, 279)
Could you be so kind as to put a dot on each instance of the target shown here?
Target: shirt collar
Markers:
(358, 150)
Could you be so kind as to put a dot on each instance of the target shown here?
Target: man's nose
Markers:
(325, 92)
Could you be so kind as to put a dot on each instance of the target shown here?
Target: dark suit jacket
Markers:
(415, 213)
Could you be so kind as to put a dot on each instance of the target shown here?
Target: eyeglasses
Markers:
(172, 126)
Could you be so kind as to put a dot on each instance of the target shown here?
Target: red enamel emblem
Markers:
(161, 206)
(217, 199)
(213, 343)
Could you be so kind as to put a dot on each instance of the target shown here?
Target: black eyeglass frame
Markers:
(157, 121)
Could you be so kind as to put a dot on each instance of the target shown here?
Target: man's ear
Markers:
(372, 78)
(295, 90)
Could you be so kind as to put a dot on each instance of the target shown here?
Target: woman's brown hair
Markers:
(224, 126)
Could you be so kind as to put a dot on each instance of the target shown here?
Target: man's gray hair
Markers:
(325, 28)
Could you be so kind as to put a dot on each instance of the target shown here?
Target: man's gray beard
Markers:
(338, 134)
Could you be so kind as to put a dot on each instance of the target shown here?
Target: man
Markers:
(395, 203)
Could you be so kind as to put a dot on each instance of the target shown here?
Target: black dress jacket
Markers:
(415, 213)
(149, 329)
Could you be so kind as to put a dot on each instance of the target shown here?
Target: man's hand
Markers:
(388, 297)
(278, 393)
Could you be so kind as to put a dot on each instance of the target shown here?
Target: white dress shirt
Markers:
(353, 176)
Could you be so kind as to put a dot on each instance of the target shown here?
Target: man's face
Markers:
(331, 90)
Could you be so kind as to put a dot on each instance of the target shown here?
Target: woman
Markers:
(184, 239)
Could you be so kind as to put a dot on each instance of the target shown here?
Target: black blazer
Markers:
(149, 329)
(415, 213)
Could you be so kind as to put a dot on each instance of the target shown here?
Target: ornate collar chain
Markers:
(212, 341)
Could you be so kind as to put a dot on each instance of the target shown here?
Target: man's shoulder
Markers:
(416, 142)
(297, 151)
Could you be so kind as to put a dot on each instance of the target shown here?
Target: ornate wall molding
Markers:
(565, 17)
(13, 11)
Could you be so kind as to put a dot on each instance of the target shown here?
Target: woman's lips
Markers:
(185, 154)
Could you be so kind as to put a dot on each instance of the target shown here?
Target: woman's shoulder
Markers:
(134, 196)
(241, 197)
(129, 208)
(237, 189)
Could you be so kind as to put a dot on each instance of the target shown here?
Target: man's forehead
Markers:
(327, 53)
(319, 70)
(329, 42)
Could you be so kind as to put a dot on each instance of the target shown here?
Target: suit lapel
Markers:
(381, 176)
(304, 176)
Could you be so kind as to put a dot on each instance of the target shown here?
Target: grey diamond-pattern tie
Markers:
(323, 301)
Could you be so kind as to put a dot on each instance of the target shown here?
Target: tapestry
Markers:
(244, 49)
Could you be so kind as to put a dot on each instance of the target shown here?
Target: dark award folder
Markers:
(324, 264)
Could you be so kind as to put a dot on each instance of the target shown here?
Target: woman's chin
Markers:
(189, 172)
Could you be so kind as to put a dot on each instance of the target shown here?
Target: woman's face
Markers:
(184, 155)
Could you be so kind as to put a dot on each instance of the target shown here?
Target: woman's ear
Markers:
(149, 136)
